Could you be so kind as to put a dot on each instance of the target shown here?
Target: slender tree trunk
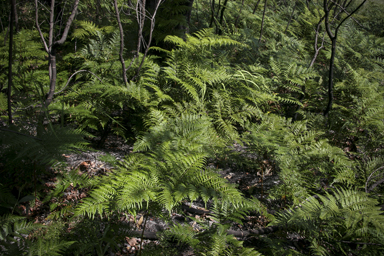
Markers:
(51, 58)
(330, 77)
(212, 13)
(222, 17)
(1, 23)
(333, 36)
(121, 43)
(317, 50)
(262, 21)
(140, 15)
(290, 18)
(98, 10)
(6, 34)
(218, 9)
(256, 5)
(10, 60)
(150, 36)
(50, 48)
(188, 15)
(15, 16)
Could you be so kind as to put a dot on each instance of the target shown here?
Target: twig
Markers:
(75, 74)
(366, 183)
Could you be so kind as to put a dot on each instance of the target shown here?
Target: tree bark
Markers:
(222, 17)
(10, 60)
(15, 16)
(333, 36)
(7, 32)
(317, 50)
(256, 5)
(213, 13)
(262, 21)
(50, 47)
(290, 18)
(238, 16)
(121, 43)
(150, 35)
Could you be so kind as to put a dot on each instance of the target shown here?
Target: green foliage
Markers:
(88, 29)
(14, 240)
(186, 108)
(211, 240)
(12, 229)
(167, 168)
(69, 179)
(31, 81)
(46, 148)
(335, 221)
(96, 237)
(300, 155)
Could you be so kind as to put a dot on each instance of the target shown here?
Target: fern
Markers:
(167, 168)
(300, 155)
(43, 149)
(335, 220)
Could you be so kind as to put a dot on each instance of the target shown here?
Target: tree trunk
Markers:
(256, 5)
(121, 43)
(330, 77)
(290, 18)
(6, 33)
(238, 16)
(15, 16)
(212, 14)
(327, 10)
(51, 46)
(262, 21)
(222, 17)
(10, 53)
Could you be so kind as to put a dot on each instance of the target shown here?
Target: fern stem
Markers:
(142, 233)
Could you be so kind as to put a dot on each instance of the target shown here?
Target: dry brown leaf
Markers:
(84, 166)
(131, 241)
(140, 221)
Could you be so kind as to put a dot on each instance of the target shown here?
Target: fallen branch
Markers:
(238, 234)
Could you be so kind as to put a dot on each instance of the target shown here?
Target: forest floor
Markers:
(251, 182)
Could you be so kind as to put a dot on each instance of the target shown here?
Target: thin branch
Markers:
(317, 50)
(262, 21)
(69, 79)
(375, 185)
(69, 22)
(256, 5)
(344, 9)
(290, 18)
(150, 35)
(38, 27)
(370, 176)
(337, 28)
(51, 26)
(327, 23)
(121, 42)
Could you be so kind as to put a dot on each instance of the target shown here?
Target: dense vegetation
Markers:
(297, 85)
